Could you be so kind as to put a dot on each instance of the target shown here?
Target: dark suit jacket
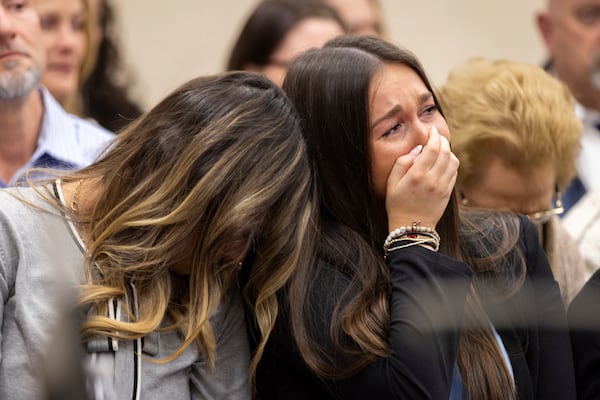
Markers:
(584, 320)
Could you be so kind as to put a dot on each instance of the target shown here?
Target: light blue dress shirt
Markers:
(457, 391)
(65, 140)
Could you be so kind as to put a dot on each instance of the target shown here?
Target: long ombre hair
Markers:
(214, 172)
(330, 88)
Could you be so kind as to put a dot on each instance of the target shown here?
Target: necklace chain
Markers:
(74, 203)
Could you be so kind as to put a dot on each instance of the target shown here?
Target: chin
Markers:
(60, 92)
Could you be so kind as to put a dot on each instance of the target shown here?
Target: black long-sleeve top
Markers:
(426, 312)
(584, 320)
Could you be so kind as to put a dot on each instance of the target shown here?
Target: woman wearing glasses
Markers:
(517, 141)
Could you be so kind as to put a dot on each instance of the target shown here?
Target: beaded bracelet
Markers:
(404, 231)
(407, 236)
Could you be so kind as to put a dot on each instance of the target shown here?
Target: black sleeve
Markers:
(427, 306)
(584, 320)
(548, 350)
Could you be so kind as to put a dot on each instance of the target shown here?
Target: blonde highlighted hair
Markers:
(515, 111)
(215, 174)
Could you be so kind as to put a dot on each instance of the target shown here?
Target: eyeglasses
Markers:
(541, 217)
(538, 217)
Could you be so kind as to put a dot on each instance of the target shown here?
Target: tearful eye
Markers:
(431, 109)
(392, 130)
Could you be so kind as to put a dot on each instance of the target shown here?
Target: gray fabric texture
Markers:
(40, 266)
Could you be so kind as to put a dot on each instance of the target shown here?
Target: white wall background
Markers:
(167, 43)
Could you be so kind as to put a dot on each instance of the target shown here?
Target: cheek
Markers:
(80, 45)
(383, 158)
(50, 41)
(442, 127)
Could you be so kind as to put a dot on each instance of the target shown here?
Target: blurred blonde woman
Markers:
(210, 188)
(517, 137)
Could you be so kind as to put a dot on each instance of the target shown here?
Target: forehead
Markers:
(59, 6)
(394, 79)
(353, 9)
(503, 179)
(308, 33)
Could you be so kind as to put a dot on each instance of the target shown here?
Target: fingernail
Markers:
(417, 149)
(434, 130)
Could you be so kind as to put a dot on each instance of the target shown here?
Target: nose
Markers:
(422, 131)
(7, 29)
(67, 38)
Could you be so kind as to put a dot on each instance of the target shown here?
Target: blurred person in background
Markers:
(66, 32)
(584, 322)
(583, 224)
(362, 17)
(277, 31)
(85, 71)
(106, 90)
(517, 137)
(35, 131)
(570, 30)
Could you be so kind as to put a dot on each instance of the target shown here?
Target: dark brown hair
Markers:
(105, 97)
(268, 25)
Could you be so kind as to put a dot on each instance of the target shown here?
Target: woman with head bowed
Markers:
(210, 188)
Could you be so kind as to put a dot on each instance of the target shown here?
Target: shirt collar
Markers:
(589, 118)
(54, 131)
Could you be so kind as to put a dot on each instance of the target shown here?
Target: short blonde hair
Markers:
(513, 111)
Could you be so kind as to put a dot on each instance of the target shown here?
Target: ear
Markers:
(544, 24)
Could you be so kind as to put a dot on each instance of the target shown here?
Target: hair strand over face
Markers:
(215, 174)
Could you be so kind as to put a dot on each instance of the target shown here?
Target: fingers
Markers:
(402, 165)
(446, 163)
(437, 159)
(430, 152)
(421, 182)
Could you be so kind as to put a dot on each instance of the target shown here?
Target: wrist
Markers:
(394, 223)
(411, 235)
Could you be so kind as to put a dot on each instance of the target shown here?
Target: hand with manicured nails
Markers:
(421, 182)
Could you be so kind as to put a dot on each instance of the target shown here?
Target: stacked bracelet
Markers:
(413, 235)
(411, 239)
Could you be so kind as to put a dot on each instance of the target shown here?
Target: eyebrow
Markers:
(396, 109)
